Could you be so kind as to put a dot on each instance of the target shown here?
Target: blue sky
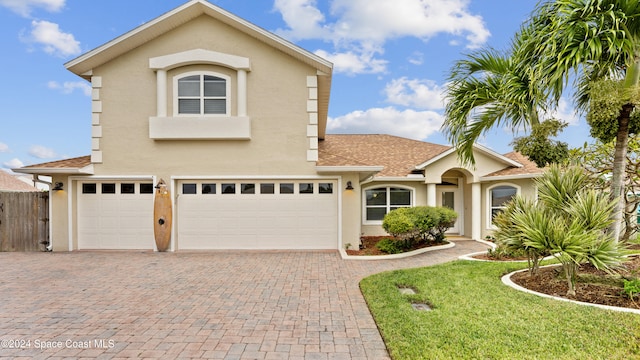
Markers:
(391, 60)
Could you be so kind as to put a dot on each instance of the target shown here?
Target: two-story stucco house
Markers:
(233, 118)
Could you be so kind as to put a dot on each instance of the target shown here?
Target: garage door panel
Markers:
(257, 221)
(114, 220)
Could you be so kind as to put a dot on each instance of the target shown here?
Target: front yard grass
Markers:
(475, 316)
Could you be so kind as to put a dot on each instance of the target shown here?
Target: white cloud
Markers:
(362, 25)
(54, 40)
(4, 147)
(352, 63)
(69, 86)
(417, 58)
(410, 124)
(42, 152)
(418, 93)
(565, 112)
(24, 7)
(13, 164)
(304, 18)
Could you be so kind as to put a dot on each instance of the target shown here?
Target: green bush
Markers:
(390, 246)
(568, 221)
(420, 223)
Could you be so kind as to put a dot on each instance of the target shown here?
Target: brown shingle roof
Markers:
(399, 156)
(73, 163)
(10, 183)
(528, 166)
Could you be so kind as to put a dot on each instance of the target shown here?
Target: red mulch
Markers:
(370, 248)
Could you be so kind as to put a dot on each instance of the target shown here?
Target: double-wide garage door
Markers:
(257, 214)
(212, 214)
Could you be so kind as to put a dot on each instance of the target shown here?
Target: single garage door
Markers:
(244, 214)
(115, 215)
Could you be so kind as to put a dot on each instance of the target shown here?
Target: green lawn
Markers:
(475, 316)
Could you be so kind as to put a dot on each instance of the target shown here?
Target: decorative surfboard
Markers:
(162, 216)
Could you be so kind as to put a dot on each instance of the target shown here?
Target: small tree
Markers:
(569, 221)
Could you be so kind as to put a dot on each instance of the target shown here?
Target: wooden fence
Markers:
(24, 221)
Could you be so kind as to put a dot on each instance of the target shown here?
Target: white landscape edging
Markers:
(506, 279)
(344, 255)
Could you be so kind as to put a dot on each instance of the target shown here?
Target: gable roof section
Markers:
(528, 168)
(398, 156)
(177, 17)
(78, 165)
(9, 182)
(85, 63)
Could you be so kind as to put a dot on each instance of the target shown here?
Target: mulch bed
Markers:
(370, 248)
(551, 281)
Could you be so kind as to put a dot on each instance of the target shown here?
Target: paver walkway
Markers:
(219, 305)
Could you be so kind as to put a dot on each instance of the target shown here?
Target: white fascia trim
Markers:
(199, 56)
(398, 178)
(87, 170)
(510, 177)
(490, 152)
(253, 177)
(334, 169)
(478, 147)
(113, 177)
(433, 160)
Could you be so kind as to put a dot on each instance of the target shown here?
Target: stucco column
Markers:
(242, 93)
(476, 211)
(431, 195)
(161, 92)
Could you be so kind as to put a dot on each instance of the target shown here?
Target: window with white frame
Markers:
(379, 201)
(201, 94)
(499, 196)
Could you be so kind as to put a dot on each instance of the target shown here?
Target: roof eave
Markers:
(510, 177)
(87, 170)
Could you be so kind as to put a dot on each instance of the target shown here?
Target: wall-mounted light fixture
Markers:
(349, 186)
(58, 186)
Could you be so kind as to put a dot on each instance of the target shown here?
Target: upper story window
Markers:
(202, 94)
(379, 201)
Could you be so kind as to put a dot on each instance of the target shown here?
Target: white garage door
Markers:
(115, 215)
(223, 214)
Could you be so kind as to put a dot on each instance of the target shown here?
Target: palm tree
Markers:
(489, 89)
(587, 40)
(592, 40)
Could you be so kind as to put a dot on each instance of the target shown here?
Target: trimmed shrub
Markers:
(420, 223)
(390, 246)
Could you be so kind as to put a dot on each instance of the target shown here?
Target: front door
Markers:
(451, 198)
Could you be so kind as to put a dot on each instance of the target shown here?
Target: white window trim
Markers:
(201, 74)
(489, 207)
(387, 186)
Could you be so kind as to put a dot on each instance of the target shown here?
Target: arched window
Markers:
(499, 196)
(202, 94)
(380, 200)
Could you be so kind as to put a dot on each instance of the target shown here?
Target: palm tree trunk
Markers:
(619, 167)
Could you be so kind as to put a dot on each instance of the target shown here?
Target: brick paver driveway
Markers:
(220, 305)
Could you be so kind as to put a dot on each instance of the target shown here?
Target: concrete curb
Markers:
(506, 279)
(346, 256)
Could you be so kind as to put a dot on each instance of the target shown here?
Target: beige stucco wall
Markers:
(276, 102)
(126, 97)
(59, 235)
